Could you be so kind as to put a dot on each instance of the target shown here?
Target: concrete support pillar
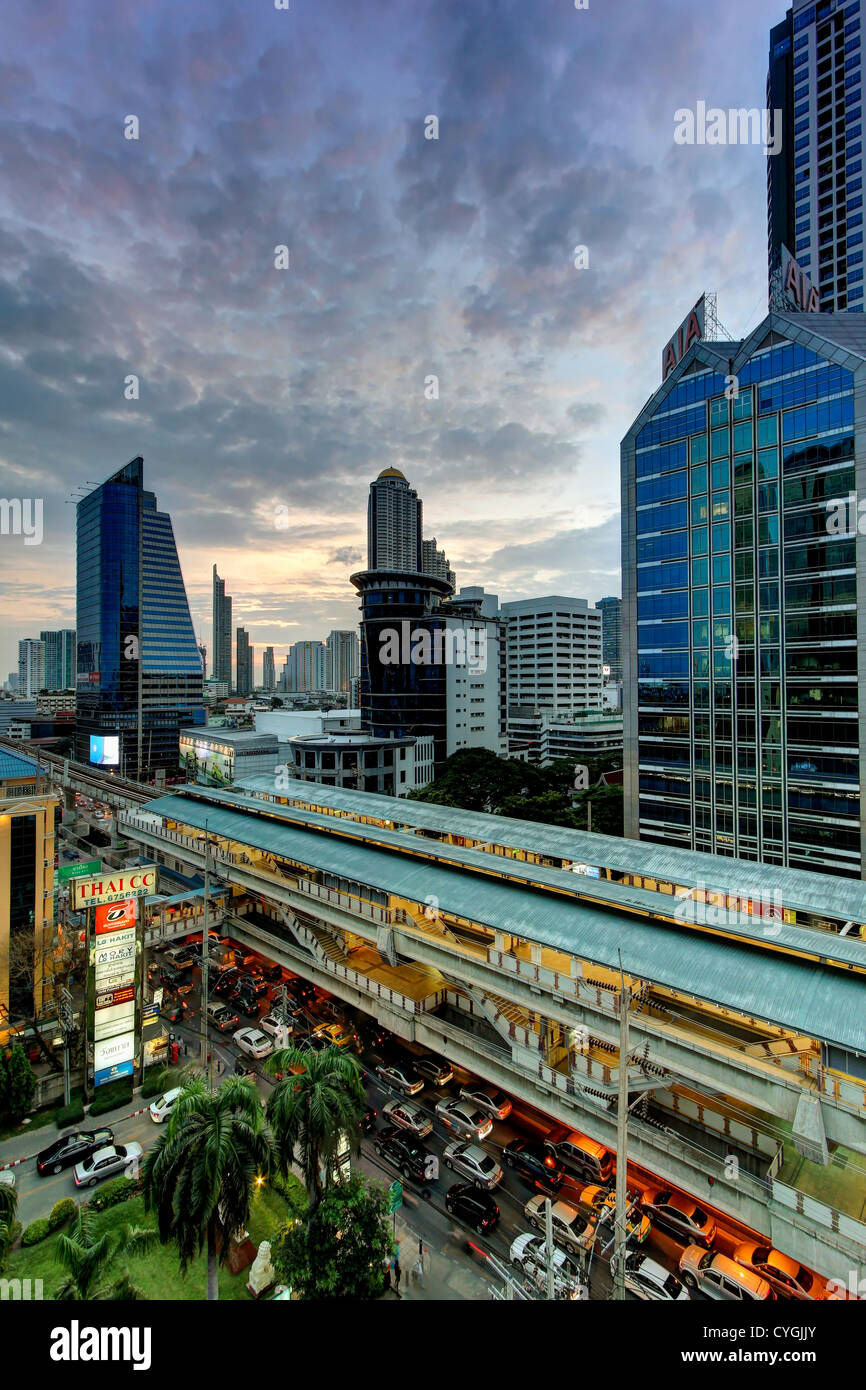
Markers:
(499, 941)
(535, 953)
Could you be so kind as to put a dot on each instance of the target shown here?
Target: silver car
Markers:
(488, 1099)
(408, 1115)
(474, 1162)
(651, 1282)
(107, 1163)
(463, 1119)
(440, 1073)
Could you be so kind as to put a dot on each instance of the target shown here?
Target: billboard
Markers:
(92, 866)
(114, 887)
(692, 328)
(797, 289)
(108, 1052)
(105, 750)
(114, 917)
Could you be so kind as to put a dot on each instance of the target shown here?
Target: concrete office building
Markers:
(815, 180)
(27, 813)
(31, 666)
(743, 577)
(221, 639)
(305, 667)
(554, 654)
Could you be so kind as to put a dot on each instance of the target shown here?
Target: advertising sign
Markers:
(120, 945)
(114, 887)
(113, 1073)
(105, 750)
(692, 328)
(114, 917)
(92, 866)
(108, 1052)
(109, 998)
(111, 1022)
(797, 288)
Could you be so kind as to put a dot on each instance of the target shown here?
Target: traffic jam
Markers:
(465, 1149)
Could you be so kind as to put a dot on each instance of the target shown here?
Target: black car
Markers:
(174, 1010)
(535, 1164)
(224, 982)
(399, 1147)
(252, 984)
(302, 990)
(176, 980)
(268, 971)
(367, 1121)
(72, 1148)
(477, 1209)
(244, 1002)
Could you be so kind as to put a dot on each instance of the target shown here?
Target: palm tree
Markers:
(8, 1210)
(87, 1259)
(319, 1097)
(199, 1176)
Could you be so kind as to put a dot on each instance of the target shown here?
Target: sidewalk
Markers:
(449, 1275)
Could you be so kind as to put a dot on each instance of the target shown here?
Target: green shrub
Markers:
(291, 1188)
(71, 1114)
(36, 1231)
(107, 1098)
(156, 1080)
(61, 1212)
(116, 1190)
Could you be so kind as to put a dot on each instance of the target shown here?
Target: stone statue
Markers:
(262, 1272)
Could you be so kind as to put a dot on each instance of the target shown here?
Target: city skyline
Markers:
(265, 462)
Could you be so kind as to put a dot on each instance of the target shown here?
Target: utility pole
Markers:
(621, 1219)
(549, 1249)
(205, 949)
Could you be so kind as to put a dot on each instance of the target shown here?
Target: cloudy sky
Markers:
(269, 398)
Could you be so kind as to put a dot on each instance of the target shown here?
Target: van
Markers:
(719, 1277)
(578, 1154)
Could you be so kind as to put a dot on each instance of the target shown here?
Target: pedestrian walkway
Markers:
(449, 1275)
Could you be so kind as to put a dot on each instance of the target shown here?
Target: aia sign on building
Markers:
(690, 330)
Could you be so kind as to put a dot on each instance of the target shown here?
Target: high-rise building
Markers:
(221, 640)
(435, 562)
(59, 659)
(814, 180)
(342, 660)
(245, 659)
(393, 524)
(27, 814)
(611, 631)
(305, 666)
(269, 676)
(744, 571)
(554, 654)
(139, 669)
(203, 654)
(31, 666)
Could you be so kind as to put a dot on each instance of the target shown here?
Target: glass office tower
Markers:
(815, 182)
(741, 593)
(139, 669)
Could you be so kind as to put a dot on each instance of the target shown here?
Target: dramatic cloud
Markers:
(269, 398)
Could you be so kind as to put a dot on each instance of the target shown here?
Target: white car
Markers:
(8, 1179)
(571, 1228)
(109, 1162)
(528, 1255)
(253, 1043)
(162, 1108)
(650, 1281)
(488, 1099)
(464, 1119)
(408, 1115)
(474, 1162)
(274, 1023)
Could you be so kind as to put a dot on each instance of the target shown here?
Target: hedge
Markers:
(107, 1098)
(61, 1212)
(116, 1190)
(291, 1188)
(71, 1114)
(156, 1080)
(36, 1231)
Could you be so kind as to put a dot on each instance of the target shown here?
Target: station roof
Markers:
(823, 894)
(13, 766)
(815, 1000)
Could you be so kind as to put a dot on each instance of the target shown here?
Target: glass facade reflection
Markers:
(136, 644)
(743, 737)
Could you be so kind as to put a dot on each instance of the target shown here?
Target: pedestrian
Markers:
(419, 1271)
(387, 1275)
(185, 1048)
(397, 1273)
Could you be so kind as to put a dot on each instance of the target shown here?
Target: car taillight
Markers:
(549, 1161)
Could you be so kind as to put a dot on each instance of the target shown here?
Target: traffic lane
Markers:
(37, 1195)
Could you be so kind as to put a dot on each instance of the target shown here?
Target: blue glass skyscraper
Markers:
(138, 669)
